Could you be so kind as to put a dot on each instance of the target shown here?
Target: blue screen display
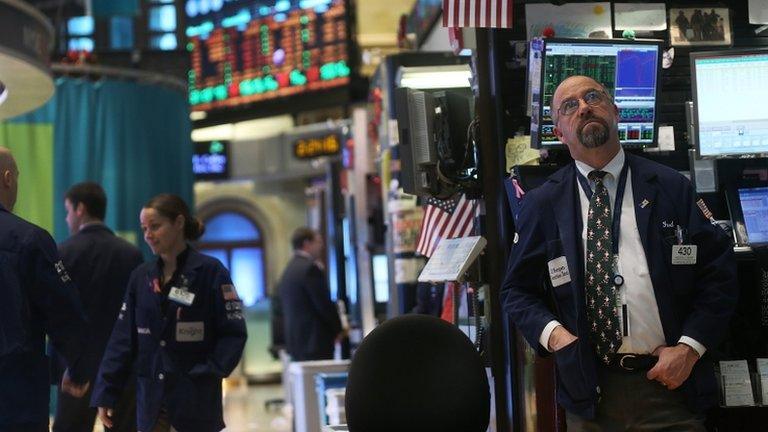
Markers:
(754, 206)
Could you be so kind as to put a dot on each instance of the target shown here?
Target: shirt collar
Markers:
(304, 254)
(90, 224)
(613, 168)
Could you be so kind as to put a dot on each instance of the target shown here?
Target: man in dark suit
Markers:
(312, 323)
(37, 299)
(616, 269)
(100, 263)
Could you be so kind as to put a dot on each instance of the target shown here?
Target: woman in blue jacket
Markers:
(181, 326)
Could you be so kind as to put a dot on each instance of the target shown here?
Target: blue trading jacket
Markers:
(694, 300)
(37, 298)
(182, 353)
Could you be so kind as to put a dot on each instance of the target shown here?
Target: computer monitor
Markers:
(432, 126)
(729, 93)
(629, 69)
(754, 209)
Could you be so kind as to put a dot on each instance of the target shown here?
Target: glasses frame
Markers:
(562, 110)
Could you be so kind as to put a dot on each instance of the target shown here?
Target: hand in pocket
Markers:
(560, 338)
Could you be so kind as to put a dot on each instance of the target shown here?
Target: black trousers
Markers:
(27, 427)
(76, 415)
(633, 403)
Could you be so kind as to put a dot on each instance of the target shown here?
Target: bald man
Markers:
(639, 285)
(36, 298)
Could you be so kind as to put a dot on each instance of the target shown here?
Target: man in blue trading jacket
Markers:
(312, 323)
(618, 273)
(36, 298)
(100, 264)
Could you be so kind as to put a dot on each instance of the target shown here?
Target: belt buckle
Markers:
(621, 362)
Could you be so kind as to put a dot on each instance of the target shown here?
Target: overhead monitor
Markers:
(754, 209)
(248, 51)
(210, 160)
(629, 70)
(434, 151)
(729, 94)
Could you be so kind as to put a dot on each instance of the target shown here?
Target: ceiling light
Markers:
(434, 77)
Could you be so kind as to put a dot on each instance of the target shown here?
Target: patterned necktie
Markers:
(605, 330)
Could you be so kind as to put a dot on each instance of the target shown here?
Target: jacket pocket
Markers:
(199, 397)
(570, 377)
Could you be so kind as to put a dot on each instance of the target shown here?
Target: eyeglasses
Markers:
(592, 98)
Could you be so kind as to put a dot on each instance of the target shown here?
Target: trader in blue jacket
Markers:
(182, 326)
(617, 270)
(100, 263)
(37, 298)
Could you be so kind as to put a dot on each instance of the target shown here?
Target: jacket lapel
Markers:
(569, 225)
(189, 272)
(644, 192)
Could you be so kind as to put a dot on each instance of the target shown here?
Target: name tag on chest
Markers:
(181, 296)
(558, 271)
(684, 254)
(190, 331)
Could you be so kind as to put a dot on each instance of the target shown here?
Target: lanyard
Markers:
(616, 222)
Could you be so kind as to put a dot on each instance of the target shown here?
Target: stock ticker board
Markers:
(250, 51)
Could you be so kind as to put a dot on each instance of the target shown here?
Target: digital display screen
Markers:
(249, 51)
(380, 278)
(730, 92)
(210, 160)
(754, 207)
(627, 70)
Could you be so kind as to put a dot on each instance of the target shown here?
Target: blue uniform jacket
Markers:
(180, 356)
(100, 263)
(694, 300)
(36, 298)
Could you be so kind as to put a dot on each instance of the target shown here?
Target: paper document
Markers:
(452, 259)
(640, 16)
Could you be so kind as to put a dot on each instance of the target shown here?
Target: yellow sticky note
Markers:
(519, 152)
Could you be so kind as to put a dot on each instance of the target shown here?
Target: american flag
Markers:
(477, 13)
(451, 218)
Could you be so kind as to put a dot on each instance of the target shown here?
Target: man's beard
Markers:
(597, 135)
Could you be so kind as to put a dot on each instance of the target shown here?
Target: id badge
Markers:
(181, 296)
(558, 271)
(190, 331)
(684, 254)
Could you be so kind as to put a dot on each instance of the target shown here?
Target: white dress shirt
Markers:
(645, 330)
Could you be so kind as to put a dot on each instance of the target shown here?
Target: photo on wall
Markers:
(699, 26)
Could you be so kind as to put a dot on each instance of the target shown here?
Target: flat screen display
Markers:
(628, 69)
(380, 278)
(754, 207)
(210, 160)
(730, 90)
(244, 52)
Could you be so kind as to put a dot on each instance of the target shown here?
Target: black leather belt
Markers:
(633, 362)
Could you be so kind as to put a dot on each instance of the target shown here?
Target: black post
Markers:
(495, 221)
(335, 241)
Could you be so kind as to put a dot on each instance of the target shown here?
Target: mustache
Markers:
(590, 120)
